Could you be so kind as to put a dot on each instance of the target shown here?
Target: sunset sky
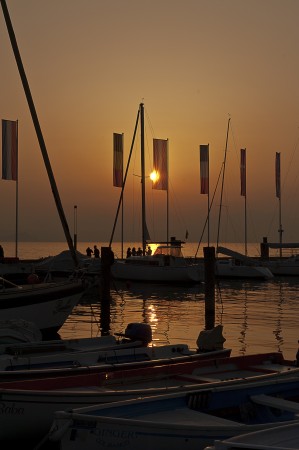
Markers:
(193, 64)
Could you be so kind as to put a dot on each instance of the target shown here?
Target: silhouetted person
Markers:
(96, 251)
(1, 252)
(134, 253)
(89, 252)
(139, 251)
(149, 251)
(129, 253)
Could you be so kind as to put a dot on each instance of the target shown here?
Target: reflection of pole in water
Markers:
(278, 330)
(105, 317)
(209, 264)
(107, 257)
(242, 339)
(219, 297)
(122, 304)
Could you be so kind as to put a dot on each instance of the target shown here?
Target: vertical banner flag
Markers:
(160, 158)
(243, 172)
(117, 159)
(204, 169)
(9, 150)
(277, 174)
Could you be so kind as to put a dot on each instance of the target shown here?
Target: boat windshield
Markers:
(171, 250)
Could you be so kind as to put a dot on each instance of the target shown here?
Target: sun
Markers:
(154, 176)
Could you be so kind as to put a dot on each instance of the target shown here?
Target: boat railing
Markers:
(5, 283)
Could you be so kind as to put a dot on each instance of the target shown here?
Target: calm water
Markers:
(256, 316)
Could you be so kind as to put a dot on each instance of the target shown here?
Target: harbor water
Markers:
(257, 316)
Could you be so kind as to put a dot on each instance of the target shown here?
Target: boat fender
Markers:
(139, 332)
(33, 278)
(209, 340)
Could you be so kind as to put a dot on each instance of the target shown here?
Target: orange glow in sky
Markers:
(193, 64)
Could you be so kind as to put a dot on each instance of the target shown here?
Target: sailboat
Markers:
(167, 264)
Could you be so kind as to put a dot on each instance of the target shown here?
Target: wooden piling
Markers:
(107, 259)
(264, 249)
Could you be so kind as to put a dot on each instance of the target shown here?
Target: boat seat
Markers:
(275, 402)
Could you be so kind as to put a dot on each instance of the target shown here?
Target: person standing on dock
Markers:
(96, 251)
(1, 252)
(89, 251)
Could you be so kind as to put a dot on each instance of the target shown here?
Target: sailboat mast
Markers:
(143, 179)
(17, 193)
(38, 129)
(222, 186)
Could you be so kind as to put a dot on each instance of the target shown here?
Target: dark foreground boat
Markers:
(35, 401)
(184, 421)
(47, 305)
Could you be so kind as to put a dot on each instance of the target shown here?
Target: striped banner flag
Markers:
(118, 159)
(160, 159)
(9, 150)
(243, 172)
(204, 169)
(277, 174)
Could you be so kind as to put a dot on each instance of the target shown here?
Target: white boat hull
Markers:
(139, 272)
(47, 305)
(227, 268)
(287, 267)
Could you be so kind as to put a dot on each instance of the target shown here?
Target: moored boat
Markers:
(38, 399)
(167, 264)
(185, 420)
(47, 305)
(29, 362)
(284, 437)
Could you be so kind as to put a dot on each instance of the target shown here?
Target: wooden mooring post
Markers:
(209, 265)
(107, 258)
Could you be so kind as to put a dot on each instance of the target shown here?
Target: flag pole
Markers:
(244, 190)
(75, 227)
(143, 209)
(245, 212)
(205, 181)
(122, 209)
(122, 225)
(278, 195)
(167, 195)
(17, 188)
(208, 195)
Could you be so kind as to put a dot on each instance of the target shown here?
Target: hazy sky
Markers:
(194, 64)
